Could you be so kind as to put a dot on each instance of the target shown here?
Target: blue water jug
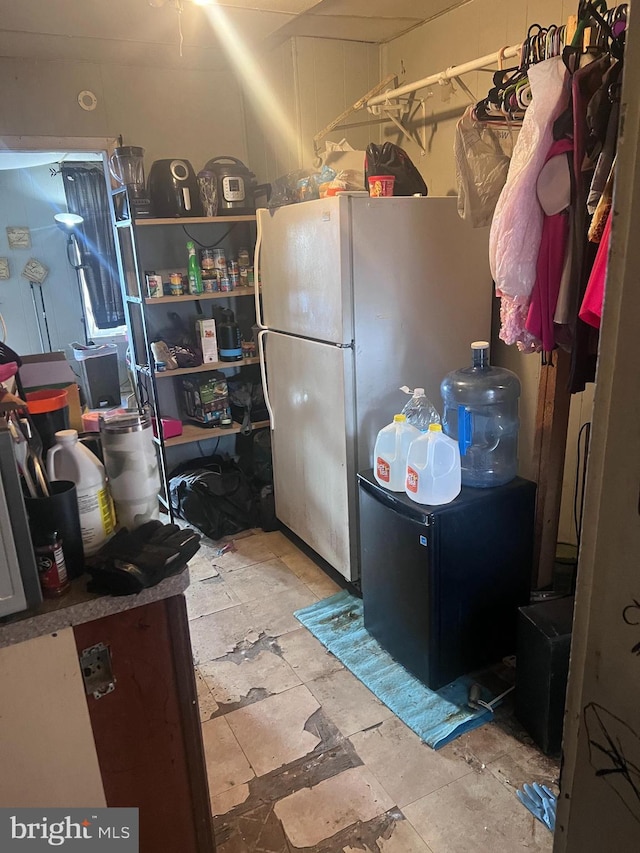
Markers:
(481, 413)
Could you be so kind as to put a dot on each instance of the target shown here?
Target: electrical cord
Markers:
(4, 328)
(212, 245)
(577, 515)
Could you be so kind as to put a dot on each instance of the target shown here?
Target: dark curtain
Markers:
(86, 193)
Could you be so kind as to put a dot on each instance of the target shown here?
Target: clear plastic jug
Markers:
(419, 410)
(481, 413)
(433, 468)
(390, 453)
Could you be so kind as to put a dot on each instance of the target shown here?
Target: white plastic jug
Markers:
(433, 468)
(390, 453)
(69, 459)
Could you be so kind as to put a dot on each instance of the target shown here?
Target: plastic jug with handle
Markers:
(69, 459)
(390, 453)
(433, 468)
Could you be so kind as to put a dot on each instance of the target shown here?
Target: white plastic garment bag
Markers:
(516, 229)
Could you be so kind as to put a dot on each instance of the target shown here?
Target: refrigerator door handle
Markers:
(263, 374)
(256, 280)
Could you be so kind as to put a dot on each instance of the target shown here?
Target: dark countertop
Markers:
(79, 606)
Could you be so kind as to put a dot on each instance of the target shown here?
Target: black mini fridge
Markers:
(441, 585)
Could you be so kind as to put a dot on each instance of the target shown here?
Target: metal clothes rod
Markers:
(448, 74)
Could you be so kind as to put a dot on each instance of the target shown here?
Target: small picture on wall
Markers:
(19, 237)
(4, 269)
(35, 271)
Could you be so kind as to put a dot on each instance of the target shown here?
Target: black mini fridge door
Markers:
(441, 586)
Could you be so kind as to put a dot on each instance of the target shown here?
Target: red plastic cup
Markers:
(381, 185)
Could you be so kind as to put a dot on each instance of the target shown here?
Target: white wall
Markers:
(312, 81)
(170, 112)
(31, 197)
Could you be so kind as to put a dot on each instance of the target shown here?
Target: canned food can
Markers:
(225, 284)
(176, 284)
(154, 285)
(233, 267)
(220, 260)
(210, 281)
(207, 259)
(234, 278)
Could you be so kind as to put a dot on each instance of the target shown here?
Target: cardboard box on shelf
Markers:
(52, 370)
(206, 330)
(206, 397)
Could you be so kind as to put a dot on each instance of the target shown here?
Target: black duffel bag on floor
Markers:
(214, 496)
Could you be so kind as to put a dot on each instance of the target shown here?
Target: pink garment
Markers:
(516, 229)
(591, 308)
(550, 266)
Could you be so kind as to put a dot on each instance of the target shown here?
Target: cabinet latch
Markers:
(97, 673)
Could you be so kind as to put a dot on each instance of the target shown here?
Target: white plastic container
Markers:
(69, 459)
(433, 468)
(390, 453)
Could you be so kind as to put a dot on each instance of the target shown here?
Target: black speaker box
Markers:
(101, 381)
(542, 669)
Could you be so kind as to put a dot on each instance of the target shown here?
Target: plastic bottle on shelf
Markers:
(390, 453)
(481, 413)
(419, 410)
(433, 468)
(193, 270)
(70, 460)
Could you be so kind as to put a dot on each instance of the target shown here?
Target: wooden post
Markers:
(552, 419)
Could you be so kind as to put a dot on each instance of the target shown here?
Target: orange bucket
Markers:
(47, 400)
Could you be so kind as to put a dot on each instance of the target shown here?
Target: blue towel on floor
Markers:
(437, 717)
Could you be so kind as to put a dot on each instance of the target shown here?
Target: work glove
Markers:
(130, 562)
(541, 802)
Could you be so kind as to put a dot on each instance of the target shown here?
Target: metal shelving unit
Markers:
(139, 308)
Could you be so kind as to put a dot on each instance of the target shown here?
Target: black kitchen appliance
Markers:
(441, 585)
(229, 337)
(173, 189)
(237, 188)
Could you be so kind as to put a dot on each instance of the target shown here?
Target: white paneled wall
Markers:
(312, 81)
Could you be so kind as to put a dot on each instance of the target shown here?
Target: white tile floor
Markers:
(300, 755)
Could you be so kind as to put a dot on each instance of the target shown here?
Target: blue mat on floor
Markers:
(437, 717)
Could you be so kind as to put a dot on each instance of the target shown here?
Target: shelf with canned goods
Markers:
(201, 368)
(188, 297)
(197, 220)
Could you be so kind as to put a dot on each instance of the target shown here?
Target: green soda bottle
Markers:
(193, 269)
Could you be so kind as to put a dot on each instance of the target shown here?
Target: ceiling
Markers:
(147, 31)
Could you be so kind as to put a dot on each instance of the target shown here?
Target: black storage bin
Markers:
(544, 641)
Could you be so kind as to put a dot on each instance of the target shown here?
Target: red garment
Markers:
(551, 257)
(591, 309)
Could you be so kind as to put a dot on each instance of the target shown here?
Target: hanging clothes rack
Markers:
(378, 103)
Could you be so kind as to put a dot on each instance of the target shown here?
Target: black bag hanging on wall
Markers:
(214, 496)
(390, 159)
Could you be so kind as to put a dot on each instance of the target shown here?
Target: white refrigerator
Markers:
(359, 296)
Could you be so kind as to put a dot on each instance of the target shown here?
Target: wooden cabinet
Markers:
(147, 730)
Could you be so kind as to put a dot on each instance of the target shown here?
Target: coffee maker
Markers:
(126, 164)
